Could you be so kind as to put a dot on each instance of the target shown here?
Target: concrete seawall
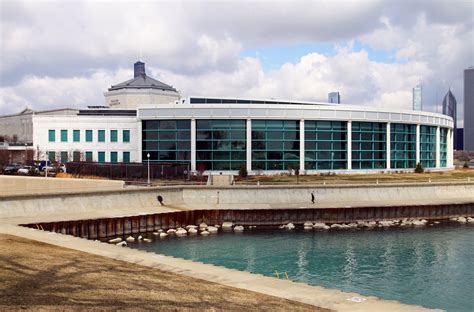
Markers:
(15, 185)
(80, 205)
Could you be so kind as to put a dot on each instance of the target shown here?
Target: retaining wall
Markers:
(13, 185)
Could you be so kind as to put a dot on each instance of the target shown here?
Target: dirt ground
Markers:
(42, 277)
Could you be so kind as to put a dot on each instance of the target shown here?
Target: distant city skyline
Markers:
(372, 52)
(334, 97)
(469, 109)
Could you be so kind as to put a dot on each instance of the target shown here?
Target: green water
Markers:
(430, 266)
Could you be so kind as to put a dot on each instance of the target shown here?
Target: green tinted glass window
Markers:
(64, 158)
(76, 135)
(113, 157)
(63, 135)
(126, 157)
(126, 135)
(88, 135)
(101, 157)
(89, 156)
(101, 136)
(52, 135)
(113, 135)
(52, 156)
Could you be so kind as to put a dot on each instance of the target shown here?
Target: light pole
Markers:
(148, 157)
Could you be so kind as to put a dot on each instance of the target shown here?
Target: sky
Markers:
(58, 54)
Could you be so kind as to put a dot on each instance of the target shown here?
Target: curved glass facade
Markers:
(369, 145)
(275, 144)
(428, 146)
(325, 145)
(402, 146)
(220, 144)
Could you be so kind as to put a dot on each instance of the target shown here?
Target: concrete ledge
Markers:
(314, 295)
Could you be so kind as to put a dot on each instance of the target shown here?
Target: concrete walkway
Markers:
(314, 295)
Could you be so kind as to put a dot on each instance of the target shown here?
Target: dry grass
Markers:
(37, 276)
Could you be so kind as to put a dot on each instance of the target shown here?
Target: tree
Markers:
(419, 168)
(243, 171)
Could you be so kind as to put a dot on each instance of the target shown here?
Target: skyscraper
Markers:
(469, 109)
(418, 98)
(334, 97)
(449, 108)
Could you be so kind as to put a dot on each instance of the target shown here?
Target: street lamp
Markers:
(148, 157)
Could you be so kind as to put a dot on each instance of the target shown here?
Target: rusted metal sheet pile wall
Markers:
(121, 226)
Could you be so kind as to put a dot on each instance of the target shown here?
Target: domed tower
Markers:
(141, 90)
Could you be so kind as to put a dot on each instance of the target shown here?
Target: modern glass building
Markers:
(222, 135)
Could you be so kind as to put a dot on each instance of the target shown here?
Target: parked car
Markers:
(10, 169)
(49, 171)
(28, 170)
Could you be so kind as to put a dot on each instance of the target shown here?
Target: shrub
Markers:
(419, 168)
(466, 165)
(243, 171)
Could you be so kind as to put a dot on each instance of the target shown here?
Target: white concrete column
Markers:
(193, 145)
(302, 146)
(139, 146)
(389, 147)
(438, 159)
(451, 148)
(417, 144)
(349, 145)
(249, 145)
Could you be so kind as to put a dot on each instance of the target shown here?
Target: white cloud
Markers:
(68, 53)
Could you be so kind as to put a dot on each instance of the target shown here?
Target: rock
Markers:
(181, 232)
(115, 240)
(308, 224)
(385, 223)
(122, 244)
(418, 222)
(252, 227)
(212, 229)
(436, 222)
(160, 231)
(204, 233)
(163, 235)
(282, 226)
(462, 220)
(147, 240)
(335, 226)
(217, 226)
(171, 231)
(202, 226)
(188, 227)
(307, 228)
(352, 225)
(470, 220)
(289, 226)
(156, 233)
(192, 231)
(130, 239)
(139, 237)
(227, 225)
(319, 225)
(238, 228)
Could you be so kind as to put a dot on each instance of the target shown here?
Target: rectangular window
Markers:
(88, 135)
(113, 135)
(76, 135)
(126, 135)
(101, 136)
(64, 157)
(63, 135)
(76, 156)
(126, 157)
(113, 157)
(89, 157)
(52, 156)
(52, 135)
(101, 157)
